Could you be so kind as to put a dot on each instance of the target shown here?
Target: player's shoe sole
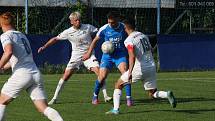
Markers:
(53, 101)
(171, 99)
(112, 112)
(108, 99)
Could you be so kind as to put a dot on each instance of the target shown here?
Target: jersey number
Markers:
(145, 44)
(27, 48)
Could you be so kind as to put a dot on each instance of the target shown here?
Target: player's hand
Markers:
(1, 70)
(85, 56)
(40, 49)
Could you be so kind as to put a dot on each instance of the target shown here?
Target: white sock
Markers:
(52, 114)
(104, 90)
(59, 88)
(116, 99)
(2, 110)
(160, 94)
(128, 97)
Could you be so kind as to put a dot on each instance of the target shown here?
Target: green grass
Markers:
(195, 92)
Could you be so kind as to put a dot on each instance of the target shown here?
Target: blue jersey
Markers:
(116, 35)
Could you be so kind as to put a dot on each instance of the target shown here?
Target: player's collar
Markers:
(115, 27)
(78, 28)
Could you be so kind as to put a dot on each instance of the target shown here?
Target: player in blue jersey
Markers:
(114, 31)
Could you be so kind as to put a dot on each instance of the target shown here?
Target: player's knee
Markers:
(119, 85)
(101, 77)
(95, 70)
(5, 101)
(151, 92)
(67, 75)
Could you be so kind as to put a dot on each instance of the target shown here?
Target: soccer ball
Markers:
(107, 47)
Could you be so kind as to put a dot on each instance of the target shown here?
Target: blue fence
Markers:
(176, 52)
(58, 53)
(186, 52)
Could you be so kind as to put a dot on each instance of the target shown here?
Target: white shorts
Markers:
(147, 76)
(31, 82)
(89, 63)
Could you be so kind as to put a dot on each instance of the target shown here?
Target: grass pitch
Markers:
(195, 93)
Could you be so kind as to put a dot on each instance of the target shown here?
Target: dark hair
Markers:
(113, 15)
(129, 22)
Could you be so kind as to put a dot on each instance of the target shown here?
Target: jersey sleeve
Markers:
(92, 29)
(63, 35)
(5, 39)
(101, 31)
(128, 42)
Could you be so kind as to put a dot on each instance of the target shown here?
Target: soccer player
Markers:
(141, 67)
(114, 31)
(79, 35)
(17, 55)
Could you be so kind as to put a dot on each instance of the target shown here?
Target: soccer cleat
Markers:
(171, 99)
(53, 101)
(95, 100)
(112, 112)
(108, 99)
(130, 102)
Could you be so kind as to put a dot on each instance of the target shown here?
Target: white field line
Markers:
(211, 80)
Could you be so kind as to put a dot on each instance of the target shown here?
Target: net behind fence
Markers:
(177, 16)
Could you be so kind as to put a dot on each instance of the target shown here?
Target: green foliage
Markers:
(52, 69)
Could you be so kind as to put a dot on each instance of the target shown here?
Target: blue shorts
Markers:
(107, 60)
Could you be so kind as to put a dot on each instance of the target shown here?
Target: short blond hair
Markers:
(7, 18)
(75, 15)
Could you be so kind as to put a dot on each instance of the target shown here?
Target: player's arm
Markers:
(8, 52)
(90, 50)
(49, 43)
(131, 58)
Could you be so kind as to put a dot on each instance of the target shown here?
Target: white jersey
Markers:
(142, 48)
(79, 38)
(144, 67)
(22, 56)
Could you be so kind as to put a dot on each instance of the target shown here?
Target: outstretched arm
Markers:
(49, 43)
(90, 50)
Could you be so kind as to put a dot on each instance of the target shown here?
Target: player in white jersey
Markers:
(141, 67)
(25, 74)
(79, 35)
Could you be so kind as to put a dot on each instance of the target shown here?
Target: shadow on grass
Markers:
(142, 101)
(195, 110)
(179, 100)
(189, 111)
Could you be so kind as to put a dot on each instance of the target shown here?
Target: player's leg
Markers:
(93, 65)
(104, 90)
(150, 85)
(154, 93)
(123, 68)
(103, 72)
(4, 101)
(117, 93)
(38, 96)
(105, 66)
(67, 74)
(12, 88)
(49, 112)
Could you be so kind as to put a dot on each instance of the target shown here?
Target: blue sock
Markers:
(97, 88)
(128, 90)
